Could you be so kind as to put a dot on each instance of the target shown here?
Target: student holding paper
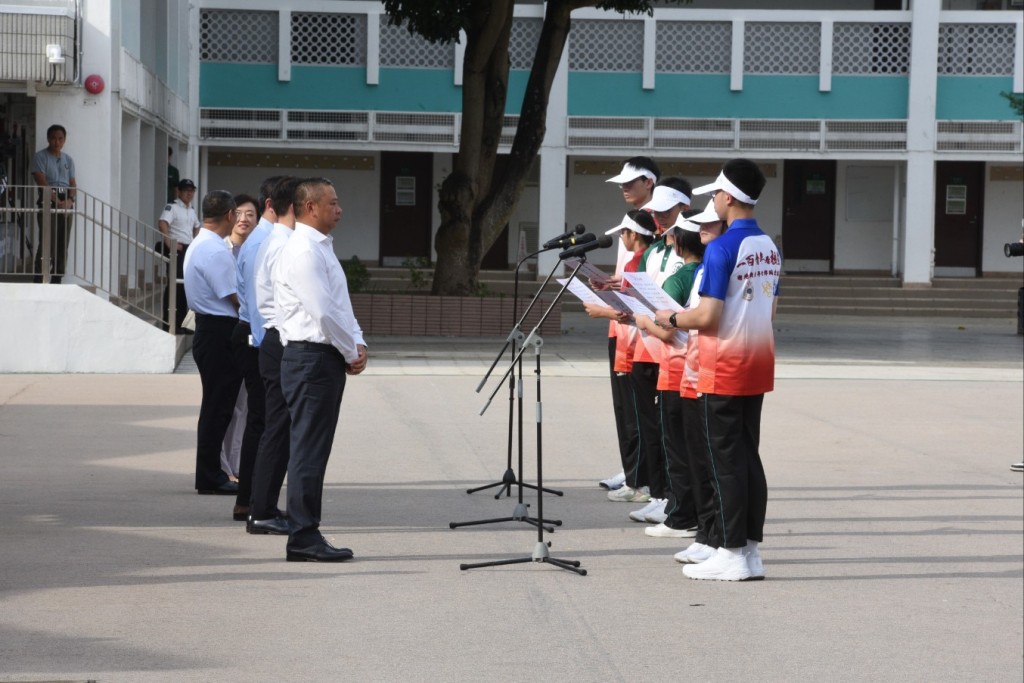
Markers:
(636, 230)
(678, 518)
(636, 182)
(670, 197)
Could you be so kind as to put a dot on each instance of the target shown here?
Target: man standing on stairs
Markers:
(180, 223)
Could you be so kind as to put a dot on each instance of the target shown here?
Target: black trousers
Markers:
(272, 455)
(644, 380)
(699, 460)
(221, 379)
(60, 235)
(733, 432)
(313, 381)
(180, 302)
(681, 510)
(625, 420)
(248, 359)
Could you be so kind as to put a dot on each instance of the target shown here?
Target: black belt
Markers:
(206, 318)
(315, 346)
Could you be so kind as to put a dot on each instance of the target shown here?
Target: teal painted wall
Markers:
(338, 88)
(973, 98)
(708, 96)
(604, 94)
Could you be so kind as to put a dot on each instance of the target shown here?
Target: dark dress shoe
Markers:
(278, 526)
(228, 488)
(321, 552)
(240, 513)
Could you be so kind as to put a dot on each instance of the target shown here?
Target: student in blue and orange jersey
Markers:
(636, 181)
(736, 344)
(670, 197)
(677, 518)
(636, 230)
(708, 538)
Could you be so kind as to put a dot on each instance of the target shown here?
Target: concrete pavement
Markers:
(894, 543)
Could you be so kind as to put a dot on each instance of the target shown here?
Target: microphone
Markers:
(603, 242)
(564, 240)
(574, 240)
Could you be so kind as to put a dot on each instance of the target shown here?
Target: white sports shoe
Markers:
(658, 514)
(612, 483)
(641, 514)
(725, 565)
(754, 563)
(662, 531)
(695, 554)
(627, 494)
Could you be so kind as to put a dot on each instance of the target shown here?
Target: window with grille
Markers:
(399, 48)
(782, 48)
(694, 47)
(976, 49)
(871, 49)
(522, 42)
(596, 45)
(322, 38)
(238, 37)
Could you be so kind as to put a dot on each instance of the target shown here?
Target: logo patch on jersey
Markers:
(677, 267)
(167, 208)
(767, 288)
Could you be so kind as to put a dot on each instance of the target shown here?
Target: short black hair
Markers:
(244, 198)
(266, 191)
(283, 196)
(309, 189)
(677, 183)
(645, 220)
(747, 176)
(217, 203)
(646, 163)
(54, 128)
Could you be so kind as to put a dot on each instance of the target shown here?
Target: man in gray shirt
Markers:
(53, 169)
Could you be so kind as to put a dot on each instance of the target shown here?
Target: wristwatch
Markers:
(672, 320)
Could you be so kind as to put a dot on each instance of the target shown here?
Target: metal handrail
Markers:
(110, 253)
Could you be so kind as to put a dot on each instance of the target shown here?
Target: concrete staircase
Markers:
(989, 297)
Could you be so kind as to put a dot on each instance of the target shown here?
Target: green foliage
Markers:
(439, 21)
(357, 275)
(1016, 102)
(417, 277)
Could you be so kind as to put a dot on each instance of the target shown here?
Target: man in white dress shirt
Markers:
(322, 343)
(272, 455)
(210, 285)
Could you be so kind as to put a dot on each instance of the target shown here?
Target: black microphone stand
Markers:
(540, 551)
(510, 479)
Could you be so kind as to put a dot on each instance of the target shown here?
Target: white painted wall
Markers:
(358, 191)
(63, 328)
(1003, 213)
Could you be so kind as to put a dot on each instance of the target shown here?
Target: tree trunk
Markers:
(474, 205)
(484, 89)
(497, 207)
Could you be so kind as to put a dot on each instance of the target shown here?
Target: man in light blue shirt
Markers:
(54, 169)
(246, 340)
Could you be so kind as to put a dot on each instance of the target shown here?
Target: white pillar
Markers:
(919, 241)
(553, 159)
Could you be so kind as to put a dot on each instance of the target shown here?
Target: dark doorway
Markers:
(959, 186)
(808, 216)
(406, 194)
